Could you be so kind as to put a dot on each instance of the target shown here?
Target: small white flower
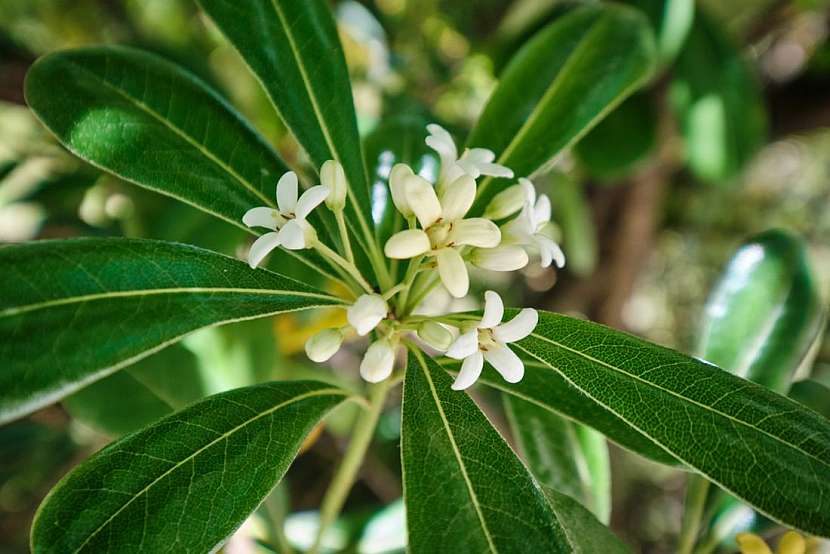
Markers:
(443, 228)
(474, 162)
(378, 361)
(488, 341)
(288, 222)
(323, 345)
(366, 313)
(333, 177)
(529, 228)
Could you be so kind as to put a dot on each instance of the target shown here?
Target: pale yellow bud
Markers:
(333, 177)
(506, 203)
(324, 345)
(435, 335)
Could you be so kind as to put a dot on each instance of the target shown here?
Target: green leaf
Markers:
(672, 21)
(765, 311)
(812, 394)
(153, 123)
(562, 83)
(719, 103)
(587, 535)
(562, 455)
(187, 482)
(465, 490)
(132, 398)
(760, 446)
(293, 49)
(74, 311)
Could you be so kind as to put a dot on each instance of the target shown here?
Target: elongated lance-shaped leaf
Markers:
(152, 123)
(293, 49)
(465, 490)
(73, 311)
(762, 447)
(185, 483)
(587, 535)
(562, 454)
(560, 84)
(764, 312)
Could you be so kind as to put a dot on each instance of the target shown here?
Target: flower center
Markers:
(486, 340)
(438, 234)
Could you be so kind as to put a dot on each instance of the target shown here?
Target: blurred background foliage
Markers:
(730, 139)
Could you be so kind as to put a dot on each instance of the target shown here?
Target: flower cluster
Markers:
(439, 240)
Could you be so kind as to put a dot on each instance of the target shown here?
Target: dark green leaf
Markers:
(293, 49)
(764, 313)
(562, 455)
(187, 482)
(561, 84)
(719, 102)
(587, 535)
(465, 490)
(812, 394)
(74, 311)
(760, 446)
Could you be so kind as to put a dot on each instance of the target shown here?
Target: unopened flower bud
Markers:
(367, 311)
(333, 177)
(506, 203)
(397, 186)
(378, 362)
(323, 345)
(435, 335)
(502, 258)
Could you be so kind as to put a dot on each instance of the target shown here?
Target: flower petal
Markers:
(549, 251)
(422, 200)
(453, 272)
(517, 328)
(541, 211)
(529, 190)
(378, 361)
(407, 244)
(397, 185)
(506, 362)
(262, 216)
(493, 310)
(458, 198)
(465, 345)
(441, 141)
(367, 311)
(470, 371)
(475, 231)
(262, 247)
(310, 200)
(287, 188)
(495, 170)
(506, 203)
(501, 258)
(293, 234)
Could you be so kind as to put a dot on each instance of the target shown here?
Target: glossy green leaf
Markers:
(672, 21)
(760, 446)
(140, 394)
(812, 394)
(465, 490)
(562, 455)
(187, 482)
(154, 124)
(765, 311)
(562, 83)
(74, 311)
(587, 535)
(293, 49)
(619, 142)
(719, 103)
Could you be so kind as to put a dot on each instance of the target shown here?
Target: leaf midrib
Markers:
(223, 436)
(456, 452)
(17, 310)
(662, 389)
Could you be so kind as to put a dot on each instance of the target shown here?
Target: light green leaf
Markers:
(765, 311)
(562, 455)
(465, 490)
(74, 311)
(293, 49)
(672, 21)
(562, 83)
(574, 216)
(760, 446)
(587, 535)
(719, 103)
(187, 482)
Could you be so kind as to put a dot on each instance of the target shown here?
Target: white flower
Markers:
(443, 228)
(474, 162)
(488, 341)
(366, 313)
(288, 222)
(378, 361)
(323, 345)
(528, 229)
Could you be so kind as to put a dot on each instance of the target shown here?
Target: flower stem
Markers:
(347, 266)
(346, 474)
(697, 489)
(411, 273)
(344, 235)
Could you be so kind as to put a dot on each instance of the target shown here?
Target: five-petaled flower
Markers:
(488, 339)
(532, 229)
